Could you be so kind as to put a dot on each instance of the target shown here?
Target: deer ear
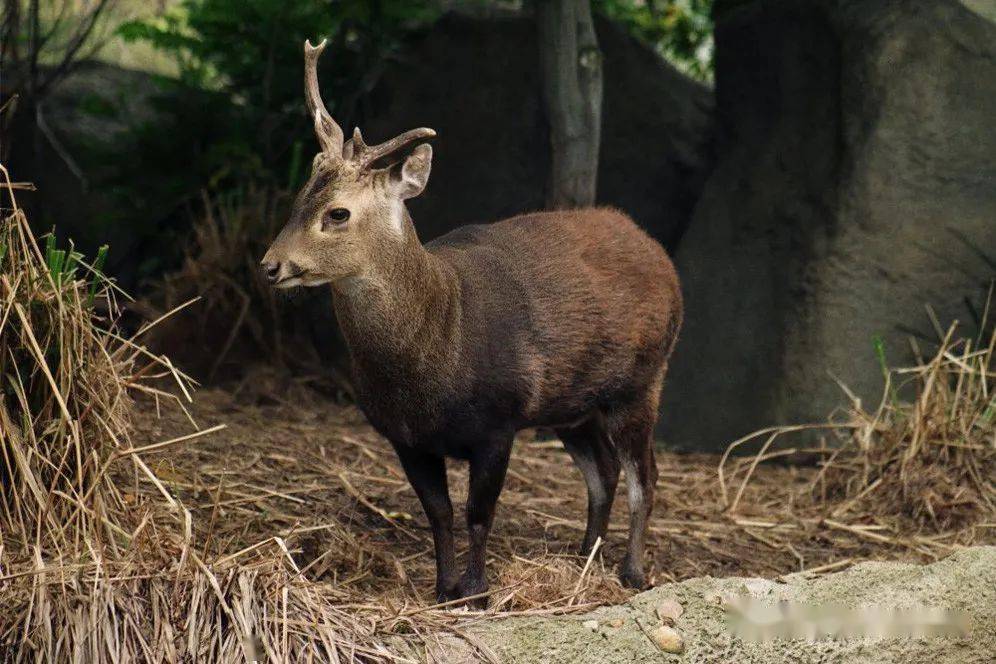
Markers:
(410, 176)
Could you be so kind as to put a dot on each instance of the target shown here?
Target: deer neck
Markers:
(401, 314)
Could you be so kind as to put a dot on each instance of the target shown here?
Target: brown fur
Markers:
(532, 321)
(554, 319)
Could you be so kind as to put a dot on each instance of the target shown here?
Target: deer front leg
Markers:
(487, 476)
(427, 475)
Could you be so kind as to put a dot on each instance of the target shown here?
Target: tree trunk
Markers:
(572, 91)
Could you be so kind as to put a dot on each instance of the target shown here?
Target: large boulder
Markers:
(856, 183)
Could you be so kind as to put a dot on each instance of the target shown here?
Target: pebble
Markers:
(667, 639)
(617, 623)
(590, 625)
(669, 610)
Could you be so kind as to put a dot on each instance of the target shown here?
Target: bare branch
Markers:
(80, 37)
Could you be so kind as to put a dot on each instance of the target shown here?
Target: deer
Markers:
(561, 320)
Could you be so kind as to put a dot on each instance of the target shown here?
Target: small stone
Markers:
(669, 610)
(667, 639)
(617, 623)
(591, 625)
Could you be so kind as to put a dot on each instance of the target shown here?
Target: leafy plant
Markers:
(680, 30)
(235, 109)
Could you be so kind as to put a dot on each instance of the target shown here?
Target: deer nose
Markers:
(272, 270)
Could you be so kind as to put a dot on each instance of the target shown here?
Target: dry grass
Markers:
(914, 474)
(315, 475)
(64, 406)
(931, 464)
(238, 317)
(270, 524)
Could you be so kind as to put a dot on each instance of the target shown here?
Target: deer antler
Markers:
(364, 155)
(329, 133)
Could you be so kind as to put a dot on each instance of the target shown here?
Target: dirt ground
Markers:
(295, 465)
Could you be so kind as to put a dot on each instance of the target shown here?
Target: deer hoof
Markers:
(448, 594)
(632, 578)
(470, 587)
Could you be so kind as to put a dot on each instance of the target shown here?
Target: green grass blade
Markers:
(72, 262)
(98, 269)
(56, 260)
(883, 364)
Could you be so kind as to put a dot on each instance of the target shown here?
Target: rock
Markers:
(590, 625)
(669, 610)
(88, 212)
(667, 639)
(854, 185)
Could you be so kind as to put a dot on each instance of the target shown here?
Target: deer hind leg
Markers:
(631, 429)
(589, 445)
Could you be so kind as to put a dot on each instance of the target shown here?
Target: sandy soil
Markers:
(964, 582)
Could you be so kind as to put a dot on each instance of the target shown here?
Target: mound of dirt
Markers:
(965, 581)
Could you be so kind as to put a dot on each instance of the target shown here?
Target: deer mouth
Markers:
(290, 280)
(302, 278)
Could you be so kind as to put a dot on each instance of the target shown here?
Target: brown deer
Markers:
(553, 319)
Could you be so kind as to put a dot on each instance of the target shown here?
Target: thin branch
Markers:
(59, 148)
(69, 61)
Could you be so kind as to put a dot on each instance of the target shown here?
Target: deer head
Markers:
(348, 212)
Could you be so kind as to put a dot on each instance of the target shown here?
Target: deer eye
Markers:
(335, 218)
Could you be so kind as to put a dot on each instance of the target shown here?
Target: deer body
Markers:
(532, 321)
(559, 319)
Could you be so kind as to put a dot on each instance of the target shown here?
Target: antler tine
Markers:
(354, 146)
(365, 155)
(329, 133)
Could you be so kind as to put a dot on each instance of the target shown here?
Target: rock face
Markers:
(964, 582)
(856, 183)
(476, 81)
